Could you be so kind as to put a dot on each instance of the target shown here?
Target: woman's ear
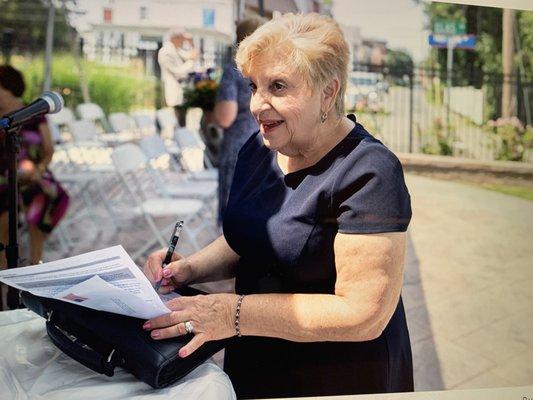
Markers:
(329, 94)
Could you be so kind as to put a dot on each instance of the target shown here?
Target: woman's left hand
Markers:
(212, 317)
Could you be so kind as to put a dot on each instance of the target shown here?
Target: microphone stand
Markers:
(13, 142)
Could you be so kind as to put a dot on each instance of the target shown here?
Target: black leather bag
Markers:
(102, 341)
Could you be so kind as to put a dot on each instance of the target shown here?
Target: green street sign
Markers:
(444, 27)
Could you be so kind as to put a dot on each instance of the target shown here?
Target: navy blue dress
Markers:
(283, 227)
(233, 87)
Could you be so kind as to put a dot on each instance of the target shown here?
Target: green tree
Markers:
(399, 62)
(482, 67)
(525, 52)
(486, 24)
(28, 20)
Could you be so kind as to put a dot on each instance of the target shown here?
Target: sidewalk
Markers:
(468, 286)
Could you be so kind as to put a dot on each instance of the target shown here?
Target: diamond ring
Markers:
(189, 327)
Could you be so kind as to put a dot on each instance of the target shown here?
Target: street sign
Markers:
(466, 42)
(445, 27)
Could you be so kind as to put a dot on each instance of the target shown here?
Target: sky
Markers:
(399, 22)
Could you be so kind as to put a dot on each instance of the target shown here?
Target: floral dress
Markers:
(45, 201)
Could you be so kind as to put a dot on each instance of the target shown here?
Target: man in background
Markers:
(176, 59)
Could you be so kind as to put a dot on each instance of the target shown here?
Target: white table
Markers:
(31, 367)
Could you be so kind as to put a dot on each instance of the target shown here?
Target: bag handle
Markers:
(81, 353)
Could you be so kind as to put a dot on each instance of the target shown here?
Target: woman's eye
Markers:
(253, 88)
(277, 86)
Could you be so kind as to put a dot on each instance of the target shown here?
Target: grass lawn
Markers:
(517, 191)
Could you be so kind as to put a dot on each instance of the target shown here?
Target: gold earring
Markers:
(324, 117)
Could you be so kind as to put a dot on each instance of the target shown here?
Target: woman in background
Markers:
(42, 198)
(232, 112)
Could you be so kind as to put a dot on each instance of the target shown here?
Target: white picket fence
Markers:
(468, 102)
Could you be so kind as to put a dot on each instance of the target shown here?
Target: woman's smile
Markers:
(267, 126)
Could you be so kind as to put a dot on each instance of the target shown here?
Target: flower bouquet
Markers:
(200, 90)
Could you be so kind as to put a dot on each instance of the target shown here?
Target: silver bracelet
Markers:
(237, 316)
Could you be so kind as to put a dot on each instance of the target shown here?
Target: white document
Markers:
(106, 280)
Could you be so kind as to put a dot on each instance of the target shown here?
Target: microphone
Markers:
(47, 103)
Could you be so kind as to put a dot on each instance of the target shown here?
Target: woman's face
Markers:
(286, 108)
(5, 96)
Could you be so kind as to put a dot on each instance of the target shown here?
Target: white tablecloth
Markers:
(31, 367)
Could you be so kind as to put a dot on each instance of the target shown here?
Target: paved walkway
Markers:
(469, 286)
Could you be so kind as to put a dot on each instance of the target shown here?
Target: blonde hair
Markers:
(314, 44)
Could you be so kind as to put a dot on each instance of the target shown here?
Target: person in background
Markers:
(232, 112)
(314, 234)
(176, 59)
(42, 197)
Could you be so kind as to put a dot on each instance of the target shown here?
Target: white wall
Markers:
(161, 13)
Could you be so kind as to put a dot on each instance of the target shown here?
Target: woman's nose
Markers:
(258, 103)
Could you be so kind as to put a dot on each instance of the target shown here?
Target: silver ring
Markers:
(189, 327)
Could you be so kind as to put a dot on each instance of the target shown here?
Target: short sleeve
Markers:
(370, 195)
(228, 89)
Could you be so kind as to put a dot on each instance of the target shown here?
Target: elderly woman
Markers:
(314, 234)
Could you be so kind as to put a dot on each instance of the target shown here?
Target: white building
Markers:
(116, 30)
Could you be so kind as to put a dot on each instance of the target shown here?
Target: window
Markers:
(108, 15)
(209, 18)
(143, 13)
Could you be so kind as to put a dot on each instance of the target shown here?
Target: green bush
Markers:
(113, 88)
(514, 139)
(436, 140)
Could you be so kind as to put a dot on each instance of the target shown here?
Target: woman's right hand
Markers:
(28, 171)
(176, 274)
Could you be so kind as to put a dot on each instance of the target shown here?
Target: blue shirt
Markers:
(234, 87)
(283, 227)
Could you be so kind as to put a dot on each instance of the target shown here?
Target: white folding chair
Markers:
(89, 149)
(145, 122)
(62, 118)
(55, 131)
(192, 155)
(90, 111)
(172, 181)
(84, 131)
(154, 148)
(166, 118)
(122, 122)
(82, 210)
(129, 161)
(93, 112)
(89, 157)
(59, 124)
(84, 168)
